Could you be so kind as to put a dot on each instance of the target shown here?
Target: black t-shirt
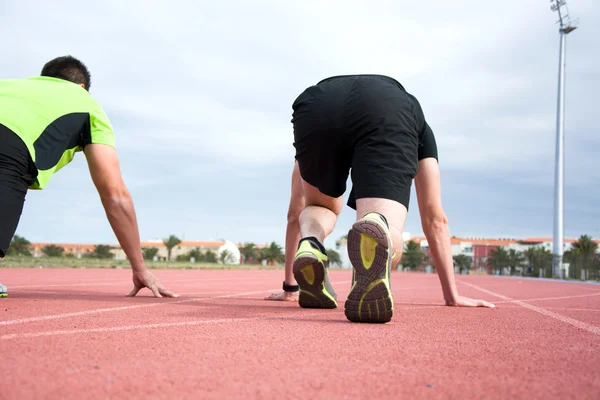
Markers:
(427, 144)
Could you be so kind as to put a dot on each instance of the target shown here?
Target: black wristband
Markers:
(290, 288)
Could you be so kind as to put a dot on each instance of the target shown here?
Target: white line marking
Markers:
(556, 308)
(147, 326)
(554, 298)
(558, 317)
(166, 282)
(103, 310)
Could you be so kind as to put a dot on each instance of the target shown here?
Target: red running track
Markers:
(71, 334)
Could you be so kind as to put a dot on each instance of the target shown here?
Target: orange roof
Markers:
(185, 243)
(66, 246)
(457, 240)
(490, 242)
(74, 245)
(549, 240)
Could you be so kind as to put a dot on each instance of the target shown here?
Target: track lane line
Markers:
(136, 306)
(576, 296)
(12, 336)
(104, 283)
(567, 320)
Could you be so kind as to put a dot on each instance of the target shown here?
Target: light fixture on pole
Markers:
(566, 26)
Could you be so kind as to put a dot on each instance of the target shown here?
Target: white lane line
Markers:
(558, 317)
(557, 308)
(149, 326)
(554, 298)
(166, 282)
(136, 306)
(111, 309)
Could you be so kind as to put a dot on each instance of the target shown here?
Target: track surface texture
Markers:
(72, 334)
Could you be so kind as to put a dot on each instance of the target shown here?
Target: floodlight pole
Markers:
(558, 238)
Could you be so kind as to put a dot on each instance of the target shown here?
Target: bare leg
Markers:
(292, 236)
(370, 248)
(317, 221)
(394, 212)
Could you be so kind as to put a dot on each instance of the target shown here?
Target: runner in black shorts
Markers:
(370, 127)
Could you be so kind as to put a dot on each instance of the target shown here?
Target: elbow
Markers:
(437, 222)
(293, 217)
(115, 196)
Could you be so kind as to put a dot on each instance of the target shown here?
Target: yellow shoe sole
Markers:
(370, 299)
(310, 274)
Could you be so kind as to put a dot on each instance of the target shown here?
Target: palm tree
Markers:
(101, 251)
(53, 251)
(171, 242)
(272, 254)
(498, 259)
(210, 256)
(149, 252)
(463, 262)
(19, 246)
(226, 257)
(584, 251)
(250, 253)
(515, 259)
(334, 257)
(412, 256)
(538, 259)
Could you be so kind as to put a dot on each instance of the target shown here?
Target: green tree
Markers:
(583, 253)
(149, 252)
(53, 251)
(250, 253)
(515, 259)
(498, 259)
(412, 257)
(538, 258)
(170, 243)
(273, 253)
(463, 262)
(101, 251)
(210, 256)
(226, 257)
(19, 246)
(334, 257)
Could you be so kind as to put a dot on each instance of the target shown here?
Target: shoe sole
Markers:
(310, 275)
(370, 299)
(3, 294)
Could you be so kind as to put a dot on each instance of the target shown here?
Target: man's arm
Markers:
(292, 235)
(435, 227)
(104, 169)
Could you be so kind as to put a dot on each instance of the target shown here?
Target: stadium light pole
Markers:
(566, 27)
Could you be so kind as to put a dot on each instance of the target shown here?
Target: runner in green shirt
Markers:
(44, 121)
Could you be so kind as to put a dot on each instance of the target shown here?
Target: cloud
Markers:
(200, 96)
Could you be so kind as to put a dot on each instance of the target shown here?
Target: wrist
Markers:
(138, 266)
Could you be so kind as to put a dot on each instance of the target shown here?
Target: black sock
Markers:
(314, 242)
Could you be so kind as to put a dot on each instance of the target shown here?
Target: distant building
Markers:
(217, 247)
(77, 250)
(478, 249)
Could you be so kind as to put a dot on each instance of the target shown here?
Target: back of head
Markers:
(68, 68)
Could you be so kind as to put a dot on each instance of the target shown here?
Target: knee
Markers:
(335, 206)
(397, 245)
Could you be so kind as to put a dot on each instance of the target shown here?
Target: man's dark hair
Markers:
(68, 68)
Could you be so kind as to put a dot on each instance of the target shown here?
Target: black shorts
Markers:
(17, 172)
(366, 124)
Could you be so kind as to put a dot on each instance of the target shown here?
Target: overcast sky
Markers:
(200, 97)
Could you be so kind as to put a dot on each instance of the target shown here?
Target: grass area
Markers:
(65, 262)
